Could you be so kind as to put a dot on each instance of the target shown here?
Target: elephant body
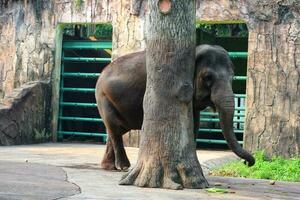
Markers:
(120, 90)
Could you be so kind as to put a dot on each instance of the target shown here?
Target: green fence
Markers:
(76, 62)
(82, 63)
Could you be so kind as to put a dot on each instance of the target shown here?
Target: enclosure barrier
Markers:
(67, 59)
(205, 117)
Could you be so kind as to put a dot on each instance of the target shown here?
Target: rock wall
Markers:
(26, 43)
(27, 35)
(25, 115)
(273, 95)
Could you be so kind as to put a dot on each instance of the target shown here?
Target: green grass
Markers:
(276, 168)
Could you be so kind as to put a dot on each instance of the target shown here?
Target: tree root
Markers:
(170, 176)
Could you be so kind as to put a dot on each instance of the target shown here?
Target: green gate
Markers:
(81, 65)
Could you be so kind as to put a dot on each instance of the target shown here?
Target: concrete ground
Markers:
(71, 171)
(26, 181)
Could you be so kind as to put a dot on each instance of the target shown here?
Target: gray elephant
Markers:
(120, 90)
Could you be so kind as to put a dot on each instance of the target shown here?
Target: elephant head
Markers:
(213, 87)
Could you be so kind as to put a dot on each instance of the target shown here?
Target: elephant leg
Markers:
(108, 161)
(121, 159)
(115, 156)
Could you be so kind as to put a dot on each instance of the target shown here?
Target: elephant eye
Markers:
(208, 80)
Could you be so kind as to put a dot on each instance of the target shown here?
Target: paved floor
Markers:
(27, 181)
(81, 164)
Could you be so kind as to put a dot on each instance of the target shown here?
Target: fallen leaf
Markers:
(219, 190)
(272, 182)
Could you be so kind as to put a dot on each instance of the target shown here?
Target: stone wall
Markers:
(26, 43)
(27, 35)
(25, 115)
(273, 95)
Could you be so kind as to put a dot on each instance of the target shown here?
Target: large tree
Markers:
(167, 155)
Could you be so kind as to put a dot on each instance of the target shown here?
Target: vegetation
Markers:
(276, 168)
(224, 30)
(83, 31)
(103, 31)
(41, 136)
(78, 4)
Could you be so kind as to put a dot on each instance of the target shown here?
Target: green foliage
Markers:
(276, 168)
(204, 27)
(99, 31)
(42, 135)
(78, 4)
(68, 29)
(224, 30)
(103, 31)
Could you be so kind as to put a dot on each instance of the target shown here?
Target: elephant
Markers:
(120, 90)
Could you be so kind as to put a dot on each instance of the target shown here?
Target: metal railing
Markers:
(76, 57)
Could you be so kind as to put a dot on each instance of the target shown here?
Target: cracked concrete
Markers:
(31, 181)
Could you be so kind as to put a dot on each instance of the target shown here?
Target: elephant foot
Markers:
(122, 164)
(106, 165)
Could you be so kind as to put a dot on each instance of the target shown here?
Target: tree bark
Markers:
(167, 155)
(136, 7)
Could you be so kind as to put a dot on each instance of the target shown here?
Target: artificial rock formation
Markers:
(273, 86)
(25, 115)
(26, 43)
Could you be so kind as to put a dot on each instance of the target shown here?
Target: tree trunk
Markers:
(136, 6)
(167, 155)
(273, 86)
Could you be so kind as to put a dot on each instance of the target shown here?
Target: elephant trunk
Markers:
(223, 98)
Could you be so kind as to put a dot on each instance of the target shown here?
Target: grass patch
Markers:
(276, 168)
